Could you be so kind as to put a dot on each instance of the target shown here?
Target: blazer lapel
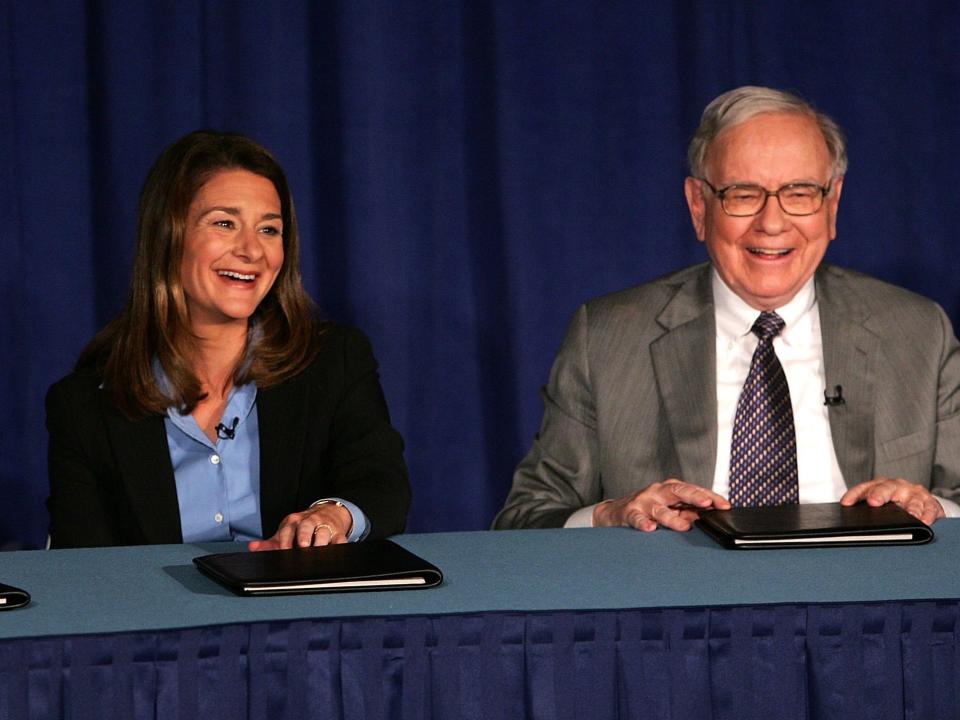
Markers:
(143, 460)
(849, 356)
(684, 361)
(282, 416)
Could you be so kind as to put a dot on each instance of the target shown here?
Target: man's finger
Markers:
(674, 519)
(696, 495)
(637, 518)
(858, 492)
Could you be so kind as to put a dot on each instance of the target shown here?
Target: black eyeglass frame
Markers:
(721, 193)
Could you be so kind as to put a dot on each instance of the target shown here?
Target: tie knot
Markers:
(768, 325)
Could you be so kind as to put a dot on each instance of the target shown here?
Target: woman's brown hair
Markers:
(155, 322)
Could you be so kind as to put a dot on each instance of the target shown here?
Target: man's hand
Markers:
(327, 524)
(913, 498)
(672, 503)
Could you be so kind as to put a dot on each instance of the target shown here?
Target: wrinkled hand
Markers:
(672, 504)
(326, 524)
(913, 498)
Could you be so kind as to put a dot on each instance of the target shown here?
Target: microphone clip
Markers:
(835, 399)
(227, 433)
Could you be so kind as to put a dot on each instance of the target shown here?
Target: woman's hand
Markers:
(326, 524)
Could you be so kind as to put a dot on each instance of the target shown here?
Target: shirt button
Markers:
(215, 459)
(218, 517)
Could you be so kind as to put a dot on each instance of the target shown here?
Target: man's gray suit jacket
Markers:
(632, 400)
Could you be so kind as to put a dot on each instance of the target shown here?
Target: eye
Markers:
(270, 230)
(224, 223)
(801, 192)
(743, 193)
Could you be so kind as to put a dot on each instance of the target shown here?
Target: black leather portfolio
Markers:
(12, 598)
(813, 525)
(371, 565)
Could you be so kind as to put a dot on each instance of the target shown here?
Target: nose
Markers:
(772, 220)
(249, 246)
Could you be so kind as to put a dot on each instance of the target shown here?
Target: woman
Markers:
(216, 406)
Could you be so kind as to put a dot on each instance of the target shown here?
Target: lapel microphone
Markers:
(227, 433)
(835, 399)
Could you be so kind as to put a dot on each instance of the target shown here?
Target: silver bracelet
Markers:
(328, 502)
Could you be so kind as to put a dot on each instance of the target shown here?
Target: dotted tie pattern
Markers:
(763, 457)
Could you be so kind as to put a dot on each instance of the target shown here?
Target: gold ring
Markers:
(321, 525)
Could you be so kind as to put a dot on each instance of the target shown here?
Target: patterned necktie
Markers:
(763, 457)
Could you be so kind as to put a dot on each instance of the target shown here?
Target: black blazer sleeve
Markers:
(327, 433)
(111, 480)
(78, 512)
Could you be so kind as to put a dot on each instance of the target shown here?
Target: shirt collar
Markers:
(735, 318)
(240, 402)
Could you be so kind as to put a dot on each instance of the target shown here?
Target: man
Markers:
(837, 386)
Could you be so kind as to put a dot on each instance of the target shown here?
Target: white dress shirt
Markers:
(799, 348)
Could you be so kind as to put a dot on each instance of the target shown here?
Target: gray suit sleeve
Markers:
(917, 398)
(945, 474)
(560, 474)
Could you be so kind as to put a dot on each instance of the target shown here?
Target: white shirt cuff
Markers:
(584, 518)
(949, 507)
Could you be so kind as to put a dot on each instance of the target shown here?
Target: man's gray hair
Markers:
(741, 104)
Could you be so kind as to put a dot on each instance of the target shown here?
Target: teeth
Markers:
(235, 275)
(768, 251)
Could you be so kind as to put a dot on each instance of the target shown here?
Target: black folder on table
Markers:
(370, 565)
(12, 598)
(813, 525)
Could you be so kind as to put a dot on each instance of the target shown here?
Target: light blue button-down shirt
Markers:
(218, 483)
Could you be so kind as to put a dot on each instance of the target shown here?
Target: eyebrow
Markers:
(236, 212)
(754, 183)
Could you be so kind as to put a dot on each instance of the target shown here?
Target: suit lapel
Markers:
(684, 361)
(282, 416)
(849, 357)
(143, 461)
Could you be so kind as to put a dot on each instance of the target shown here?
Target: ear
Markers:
(696, 204)
(833, 201)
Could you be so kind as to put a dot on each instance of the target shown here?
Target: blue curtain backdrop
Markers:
(466, 173)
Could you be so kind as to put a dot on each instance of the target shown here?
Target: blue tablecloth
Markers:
(534, 624)
(157, 587)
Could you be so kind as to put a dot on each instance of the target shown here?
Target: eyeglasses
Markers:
(748, 200)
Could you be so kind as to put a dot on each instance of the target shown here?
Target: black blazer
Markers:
(323, 433)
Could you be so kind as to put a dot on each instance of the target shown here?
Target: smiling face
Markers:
(232, 249)
(767, 258)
